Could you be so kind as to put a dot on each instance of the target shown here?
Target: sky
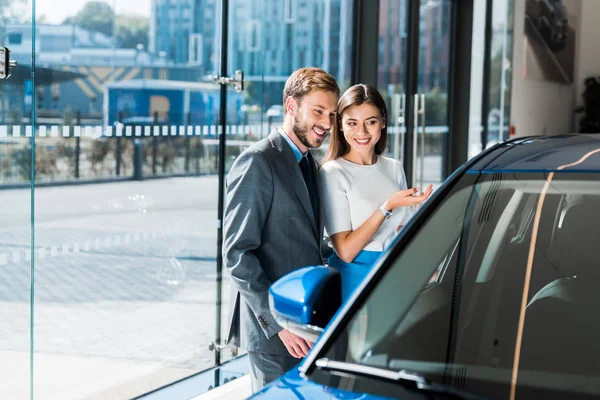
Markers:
(55, 11)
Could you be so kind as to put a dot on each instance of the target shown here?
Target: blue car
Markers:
(492, 290)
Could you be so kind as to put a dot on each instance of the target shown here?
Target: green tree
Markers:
(252, 93)
(99, 152)
(95, 16)
(9, 11)
(4, 7)
(45, 163)
(131, 31)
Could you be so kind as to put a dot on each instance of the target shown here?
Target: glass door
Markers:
(413, 73)
(268, 40)
(16, 236)
(126, 188)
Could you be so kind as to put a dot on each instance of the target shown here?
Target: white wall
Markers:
(542, 107)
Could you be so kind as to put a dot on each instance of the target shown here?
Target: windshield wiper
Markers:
(403, 377)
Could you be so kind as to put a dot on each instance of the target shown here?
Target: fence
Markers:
(86, 153)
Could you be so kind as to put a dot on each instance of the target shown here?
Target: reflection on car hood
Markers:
(293, 386)
(542, 153)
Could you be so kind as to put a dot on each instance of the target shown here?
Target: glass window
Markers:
(16, 153)
(431, 123)
(500, 72)
(55, 43)
(499, 80)
(15, 38)
(271, 49)
(121, 120)
(125, 266)
(195, 51)
(477, 81)
(506, 291)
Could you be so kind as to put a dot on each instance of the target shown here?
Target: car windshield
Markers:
(497, 292)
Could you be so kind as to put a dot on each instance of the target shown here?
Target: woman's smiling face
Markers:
(362, 125)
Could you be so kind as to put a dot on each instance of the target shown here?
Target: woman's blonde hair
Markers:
(355, 96)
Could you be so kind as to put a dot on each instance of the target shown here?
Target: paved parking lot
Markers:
(124, 293)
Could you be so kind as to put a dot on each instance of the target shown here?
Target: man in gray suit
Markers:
(272, 223)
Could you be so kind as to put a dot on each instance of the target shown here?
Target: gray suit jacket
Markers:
(269, 230)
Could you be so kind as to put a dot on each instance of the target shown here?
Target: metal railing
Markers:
(67, 154)
(70, 153)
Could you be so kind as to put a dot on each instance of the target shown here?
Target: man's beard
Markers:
(302, 132)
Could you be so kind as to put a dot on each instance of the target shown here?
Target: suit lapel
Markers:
(315, 167)
(294, 175)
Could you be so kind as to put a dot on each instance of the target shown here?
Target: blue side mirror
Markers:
(305, 300)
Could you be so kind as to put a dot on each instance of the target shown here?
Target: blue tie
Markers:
(307, 174)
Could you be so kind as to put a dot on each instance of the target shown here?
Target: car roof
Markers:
(573, 153)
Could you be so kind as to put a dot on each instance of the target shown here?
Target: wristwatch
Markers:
(387, 214)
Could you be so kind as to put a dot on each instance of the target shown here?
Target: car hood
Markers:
(294, 386)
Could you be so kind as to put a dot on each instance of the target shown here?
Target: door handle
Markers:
(415, 137)
(399, 103)
(237, 80)
(6, 63)
(418, 109)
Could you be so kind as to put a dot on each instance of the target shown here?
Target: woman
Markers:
(364, 194)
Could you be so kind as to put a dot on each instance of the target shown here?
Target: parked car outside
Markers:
(491, 291)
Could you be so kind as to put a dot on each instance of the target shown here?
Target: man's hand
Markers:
(295, 345)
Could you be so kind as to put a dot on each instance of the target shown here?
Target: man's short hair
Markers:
(306, 80)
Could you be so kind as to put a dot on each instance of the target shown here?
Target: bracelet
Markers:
(387, 214)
